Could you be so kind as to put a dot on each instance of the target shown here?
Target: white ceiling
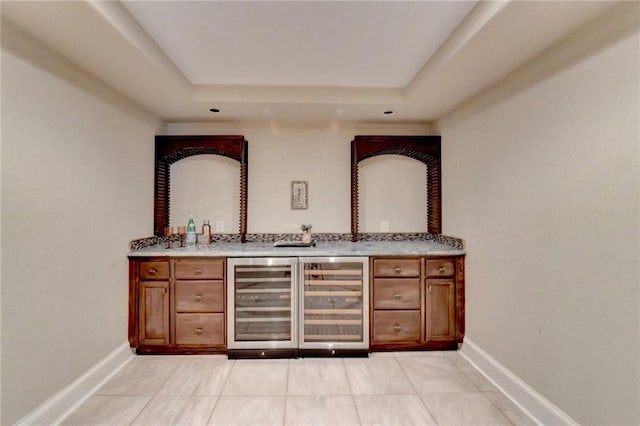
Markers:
(300, 44)
(299, 61)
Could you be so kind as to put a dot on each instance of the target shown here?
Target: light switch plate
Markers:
(384, 226)
(219, 226)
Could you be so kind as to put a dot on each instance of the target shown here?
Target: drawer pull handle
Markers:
(397, 295)
(396, 327)
(397, 269)
(198, 297)
(442, 269)
(153, 271)
(199, 331)
(197, 271)
(429, 289)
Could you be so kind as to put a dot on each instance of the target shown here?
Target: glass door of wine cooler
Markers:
(261, 301)
(334, 300)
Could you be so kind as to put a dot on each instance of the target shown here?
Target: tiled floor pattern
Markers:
(401, 388)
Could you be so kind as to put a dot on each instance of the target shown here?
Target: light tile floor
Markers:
(391, 388)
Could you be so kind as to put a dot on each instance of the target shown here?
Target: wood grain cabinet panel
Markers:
(154, 270)
(396, 326)
(440, 308)
(394, 293)
(199, 296)
(199, 269)
(418, 303)
(154, 313)
(396, 267)
(177, 305)
(200, 329)
(440, 267)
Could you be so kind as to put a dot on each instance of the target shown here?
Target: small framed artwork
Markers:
(299, 195)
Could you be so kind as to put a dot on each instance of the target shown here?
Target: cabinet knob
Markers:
(396, 327)
(397, 295)
(442, 269)
(197, 271)
(429, 289)
(198, 297)
(199, 331)
(153, 271)
(397, 269)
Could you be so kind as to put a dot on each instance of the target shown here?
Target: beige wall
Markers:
(317, 153)
(392, 189)
(77, 185)
(541, 178)
(206, 187)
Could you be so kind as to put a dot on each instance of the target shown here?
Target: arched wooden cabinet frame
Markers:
(422, 148)
(170, 149)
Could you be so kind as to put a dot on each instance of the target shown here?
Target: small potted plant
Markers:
(306, 233)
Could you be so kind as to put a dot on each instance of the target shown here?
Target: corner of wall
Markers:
(23, 45)
(617, 23)
(65, 401)
(517, 390)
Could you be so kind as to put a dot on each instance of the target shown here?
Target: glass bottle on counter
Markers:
(206, 232)
(191, 233)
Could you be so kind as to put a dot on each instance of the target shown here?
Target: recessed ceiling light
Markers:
(214, 110)
(389, 112)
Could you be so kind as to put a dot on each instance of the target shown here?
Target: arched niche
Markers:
(425, 149)
(170, 149)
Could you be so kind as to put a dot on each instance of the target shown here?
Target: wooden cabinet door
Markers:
(440, 309)
(153, 313)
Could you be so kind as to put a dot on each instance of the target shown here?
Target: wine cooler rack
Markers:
(262, 303)
(334, 303)
(306, 303)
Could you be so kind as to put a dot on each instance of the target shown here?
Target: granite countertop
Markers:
(339, 248)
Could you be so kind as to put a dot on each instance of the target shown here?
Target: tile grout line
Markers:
(286, 394)
(154, 394)
(480, 390)
(433, 417)
(219, 396)
(353, 397)
(346, 373)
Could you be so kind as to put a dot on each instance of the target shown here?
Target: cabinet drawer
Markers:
(199, 296)
(154, 270)
(440, 267)
(396, 267)
(396, 293)
(199, 269)
(200, 329)
(396, 326)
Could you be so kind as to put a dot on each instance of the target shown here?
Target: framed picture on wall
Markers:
(299, 195)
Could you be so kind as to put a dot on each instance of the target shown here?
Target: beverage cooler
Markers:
(262, 304)
(296, 306)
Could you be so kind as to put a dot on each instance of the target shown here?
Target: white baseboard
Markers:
(67, 399)
(524, 396)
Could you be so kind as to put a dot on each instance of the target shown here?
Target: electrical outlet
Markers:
(219, 226)
(384, 226)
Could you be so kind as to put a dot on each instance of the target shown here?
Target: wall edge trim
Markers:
(536, 406)
(69, 398)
